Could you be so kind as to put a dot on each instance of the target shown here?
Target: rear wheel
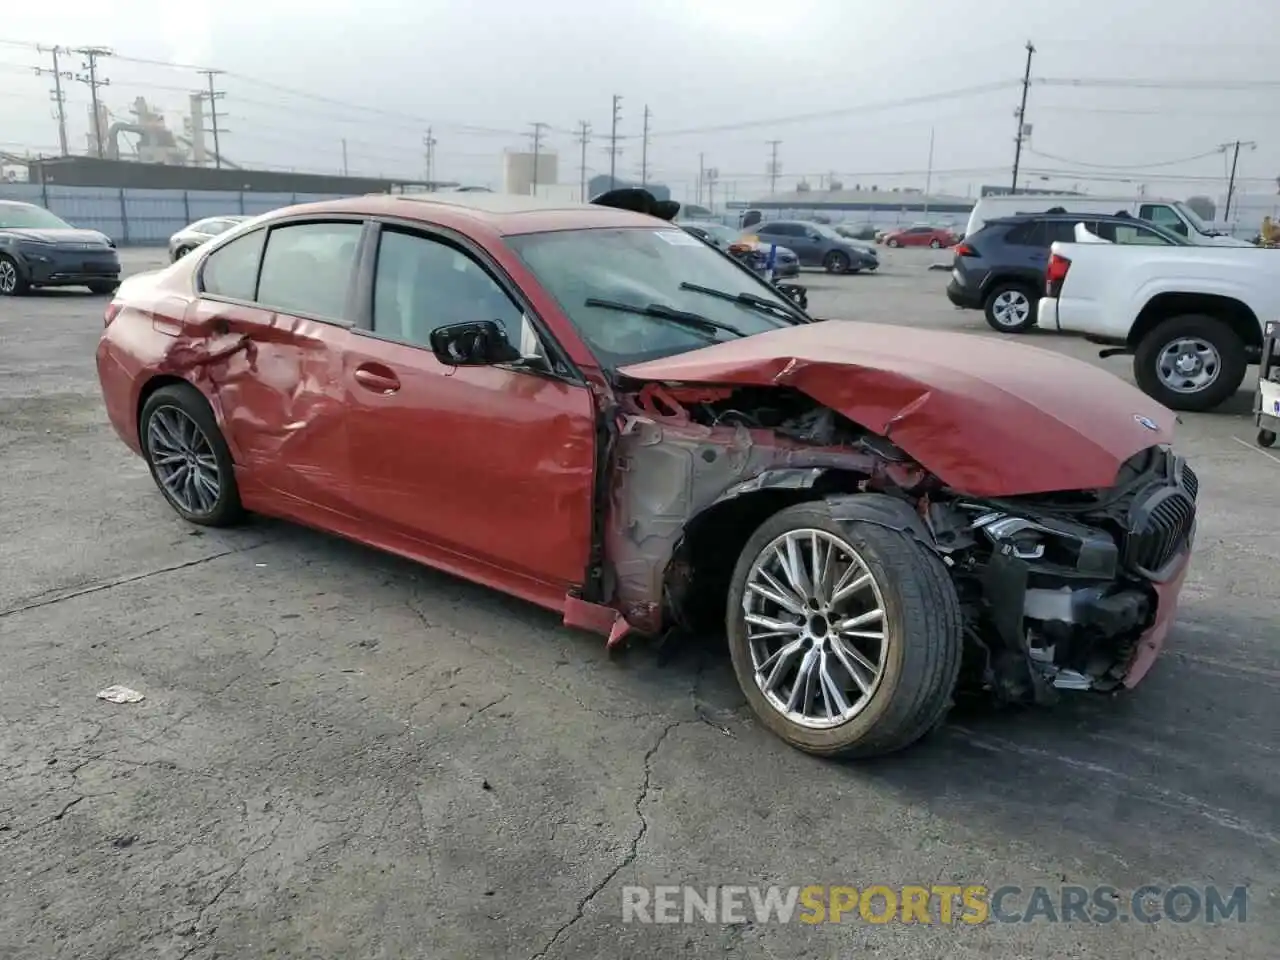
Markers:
(1193, 362)
(1010, 308)
(845, 635)
(109, 286)
(12, 282)
(188, 456)
(836, 262)
(935, 243)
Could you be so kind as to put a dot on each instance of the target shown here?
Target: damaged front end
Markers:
(1059, 591)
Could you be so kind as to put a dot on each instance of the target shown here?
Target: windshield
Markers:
(718, 231)
(640, 268)
(1194, 219)
(21, 216)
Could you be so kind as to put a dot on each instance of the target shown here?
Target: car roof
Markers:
(19, 203)
(498, 213)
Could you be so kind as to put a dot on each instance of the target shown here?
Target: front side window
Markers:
(231, 271)
(421, 284)
(637, 269)
(307, 268)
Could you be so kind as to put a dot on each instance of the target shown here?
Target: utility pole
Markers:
(345, 169)
(613, 142)
(91, 79)
(59, 101)
(537, 149)
(1234, 147)
(702, 175)
(644, 150)
(213, 96)
(429, 143)
(1022, 116)
(712, 176)
(928, 177)
(584, 137)
(774, 169)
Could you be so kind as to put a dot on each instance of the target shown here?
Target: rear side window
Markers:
(308, 267)
(1029, 234)
(231, 271)
(1059, 231)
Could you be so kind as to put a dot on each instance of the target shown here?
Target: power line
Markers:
(1023, 128)
(613, 142)
(644, 150)
(60, 101)
(1119, 167)
(584, 137)
(93, 81)
(1140, 83)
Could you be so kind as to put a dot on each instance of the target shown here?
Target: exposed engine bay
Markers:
(1057, 590)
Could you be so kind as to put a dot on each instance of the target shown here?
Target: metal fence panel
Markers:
(136, 217)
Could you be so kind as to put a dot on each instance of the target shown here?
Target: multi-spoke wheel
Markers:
(188, 457)
(845, 634)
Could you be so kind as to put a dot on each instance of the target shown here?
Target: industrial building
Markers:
(858, 204)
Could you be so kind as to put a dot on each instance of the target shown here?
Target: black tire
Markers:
(891, 243)
(104, 288)
(226, 510)
(1015, 293)
(1232, 361)
(1266, 438)
(836, 262)
(12, 281)
(935, 243)
(920, 604)
(180, 253)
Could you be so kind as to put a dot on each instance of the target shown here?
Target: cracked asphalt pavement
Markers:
(341, 754)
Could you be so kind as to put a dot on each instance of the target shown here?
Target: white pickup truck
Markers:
(1191, 316)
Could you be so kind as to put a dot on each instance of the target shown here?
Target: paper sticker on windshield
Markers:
(678, 238)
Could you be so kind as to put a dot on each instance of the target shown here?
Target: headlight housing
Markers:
(1050, 542)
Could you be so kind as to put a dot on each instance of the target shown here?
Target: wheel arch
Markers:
(697, 577)
(1164, 306)
(161, 380)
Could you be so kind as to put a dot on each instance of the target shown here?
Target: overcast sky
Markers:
(720, 78)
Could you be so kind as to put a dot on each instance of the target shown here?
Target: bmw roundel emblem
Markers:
(1146, 422)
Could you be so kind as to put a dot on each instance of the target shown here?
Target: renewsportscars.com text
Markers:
(934, 904)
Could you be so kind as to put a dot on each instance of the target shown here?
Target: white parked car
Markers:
(202, 231)
(1192, 316)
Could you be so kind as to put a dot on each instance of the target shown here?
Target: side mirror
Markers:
(479, 344)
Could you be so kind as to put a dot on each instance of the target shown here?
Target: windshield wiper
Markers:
(694, 321)
(746, 299)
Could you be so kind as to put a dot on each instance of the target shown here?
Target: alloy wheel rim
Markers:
(816, 631)
(8, 277)
(1011, 308)
(183, 459)
(1188, 365)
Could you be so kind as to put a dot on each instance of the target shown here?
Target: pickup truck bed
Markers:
(1191, 316)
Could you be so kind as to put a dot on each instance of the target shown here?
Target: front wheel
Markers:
(188, 457)
(1192, 362)
(935, 243)
(1266, 438)
(12, 282)
(892, 243)
(845, 635)
(836, 262)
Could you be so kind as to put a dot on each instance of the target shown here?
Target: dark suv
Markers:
(817, 245)
(1000, 269)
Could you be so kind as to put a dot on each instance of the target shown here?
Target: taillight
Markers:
(964, 250)
(1055, 273)
(112, 311)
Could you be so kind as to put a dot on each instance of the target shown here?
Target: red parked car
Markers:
(588, 408)
(935, 237)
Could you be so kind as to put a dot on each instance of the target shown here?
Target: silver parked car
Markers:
(202, 231)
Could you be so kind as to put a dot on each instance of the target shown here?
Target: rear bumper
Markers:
(963, 296)
(1047, 314)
